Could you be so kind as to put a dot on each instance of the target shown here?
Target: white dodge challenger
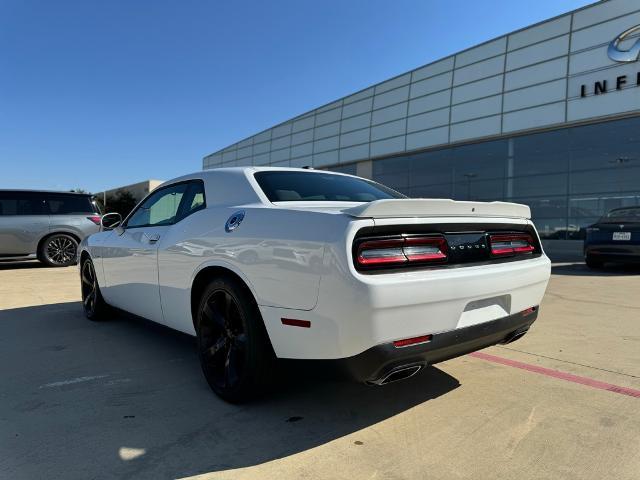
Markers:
(265, 263)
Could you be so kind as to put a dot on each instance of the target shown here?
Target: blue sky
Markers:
(97, 94)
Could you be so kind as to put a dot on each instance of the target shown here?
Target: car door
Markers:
(23, 222)
(178, 257)
(130, 258)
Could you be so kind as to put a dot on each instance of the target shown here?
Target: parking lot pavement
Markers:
(126, 399)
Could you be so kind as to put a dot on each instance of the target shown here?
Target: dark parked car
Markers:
(45, 225)
(614, 238)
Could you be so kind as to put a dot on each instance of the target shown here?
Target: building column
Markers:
(364, 169)
(510, 155)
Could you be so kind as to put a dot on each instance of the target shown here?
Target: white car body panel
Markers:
(365, 310)
(130, 270)
(295, 258)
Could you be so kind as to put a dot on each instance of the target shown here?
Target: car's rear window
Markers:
(628, 215)
(284, 186)
(61, 204)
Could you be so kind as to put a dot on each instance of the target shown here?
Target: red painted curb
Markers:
(569, 377)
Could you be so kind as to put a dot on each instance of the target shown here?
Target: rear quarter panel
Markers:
(278, 253)
(77, 225)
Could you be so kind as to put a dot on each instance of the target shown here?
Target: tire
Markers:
(58, 250)
(593, 262)
(233, 346)
(93, 304)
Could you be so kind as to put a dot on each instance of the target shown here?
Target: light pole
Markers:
(469, 176)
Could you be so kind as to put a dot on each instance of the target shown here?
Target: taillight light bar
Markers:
(507, 244)
(406, 342)
(95, 219)
(402, 250)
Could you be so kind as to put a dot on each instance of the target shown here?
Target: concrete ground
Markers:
(126, 399)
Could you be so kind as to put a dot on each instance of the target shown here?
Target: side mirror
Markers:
(109, 221)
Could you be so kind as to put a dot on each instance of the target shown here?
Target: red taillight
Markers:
(506, 244)
(95, 219)
(402, 250)
(377, 252)
(411, 341)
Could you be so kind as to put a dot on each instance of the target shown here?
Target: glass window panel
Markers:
(612, 134)
(595, 206)
(348, 169)
(433, 168)
(605, 144)
(606, 156)
(541, 153)
(392, 172)
(480, 161)
(479, 190)
(193, 200)
(61, 204)
(390, 165)
(538, 185)
(616, 179)
(21, 203)
(292, 186)
(577, 227)
(432, 191)
(160, 208)
(551, 228)
(545, 207)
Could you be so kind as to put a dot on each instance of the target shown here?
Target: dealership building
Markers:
(548, 116)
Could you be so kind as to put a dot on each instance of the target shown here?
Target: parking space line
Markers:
(71, 381)
(569, 377)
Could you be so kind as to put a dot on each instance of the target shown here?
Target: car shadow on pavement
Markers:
(126, 398)
(581, 270)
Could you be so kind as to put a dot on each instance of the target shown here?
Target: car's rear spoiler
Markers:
(437, 207)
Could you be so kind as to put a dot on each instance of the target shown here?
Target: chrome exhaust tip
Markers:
(397, 374)
(515, 336)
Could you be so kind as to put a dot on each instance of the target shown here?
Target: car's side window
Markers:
(160, 208)
(194, 199)
(21, 203)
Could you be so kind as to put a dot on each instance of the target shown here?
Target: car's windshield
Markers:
(291, 186)
(627, 215)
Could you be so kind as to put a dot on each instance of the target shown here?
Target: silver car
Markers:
(45, 225)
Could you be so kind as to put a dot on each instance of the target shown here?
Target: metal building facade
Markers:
(542, 115)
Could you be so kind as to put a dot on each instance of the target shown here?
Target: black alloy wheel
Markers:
(92, 303)
(234, 350)
(59, 251)
(593, 262)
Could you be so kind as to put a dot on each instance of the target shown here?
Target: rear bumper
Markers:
(614, 252)
(379, 361)
(355, 314)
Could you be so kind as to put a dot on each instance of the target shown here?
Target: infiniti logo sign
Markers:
(621, 82)
(630, 55)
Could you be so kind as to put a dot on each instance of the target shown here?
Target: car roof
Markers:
(27, 190)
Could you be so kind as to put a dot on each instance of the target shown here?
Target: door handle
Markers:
(152, 238)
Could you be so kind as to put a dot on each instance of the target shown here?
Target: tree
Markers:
(121, 202)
